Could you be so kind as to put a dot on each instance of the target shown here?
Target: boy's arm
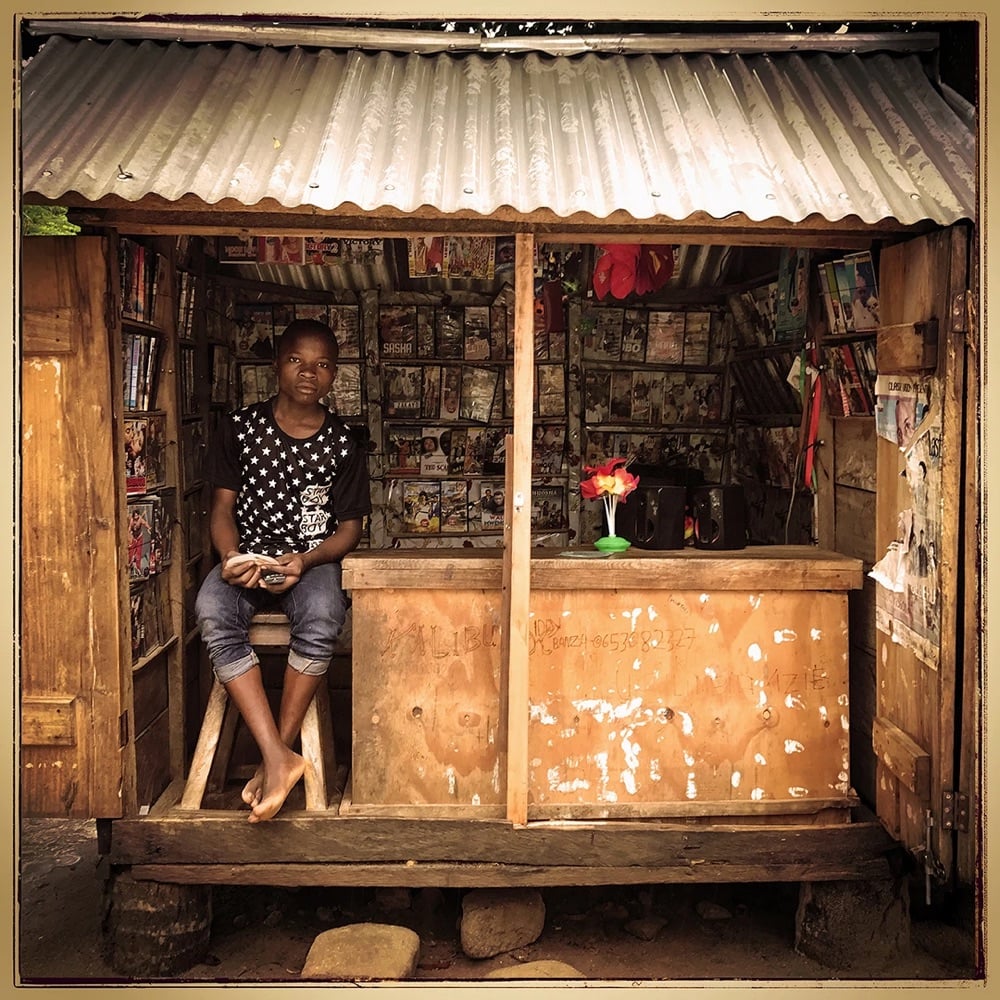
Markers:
(345, 539)
(226, 538)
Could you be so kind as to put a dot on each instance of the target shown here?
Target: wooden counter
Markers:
(690, 683)
(764, 567)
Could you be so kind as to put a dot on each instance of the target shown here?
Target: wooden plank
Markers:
(417, 875)
(862, 694)
(189, 215)
(152, 767)
(687, 698)
(777, 811)
(855, 523)
(48, 330)
(908, 347)
(970, 754)
(762, 567)
(48, 722)
(426, 698)
(519, 536)
(225, 837)
(505, 619)
(208, 741)
(854, 454)
(428, 811)
(74, 642)
(863, 632)
(149, 692)
(908, 762)
(917, 282)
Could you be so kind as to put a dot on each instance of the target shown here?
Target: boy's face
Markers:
(306, 367)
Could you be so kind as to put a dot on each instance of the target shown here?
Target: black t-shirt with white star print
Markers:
(291, 492)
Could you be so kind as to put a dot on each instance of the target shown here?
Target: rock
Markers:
(545, 969)
(712, 911)
(646, 928)
(392, 898)
(499, 920)
(273, 918)
(844, 924)
(363, 951)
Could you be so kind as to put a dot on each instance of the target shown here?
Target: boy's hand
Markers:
(245, 569)
(292, 566)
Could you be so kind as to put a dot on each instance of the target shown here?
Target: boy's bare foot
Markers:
(253, 788)
(279, 780)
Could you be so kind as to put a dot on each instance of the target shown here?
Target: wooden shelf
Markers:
(153, 654)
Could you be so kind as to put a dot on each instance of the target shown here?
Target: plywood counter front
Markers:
(690, 683)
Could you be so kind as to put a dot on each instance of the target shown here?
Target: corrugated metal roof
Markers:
(782, 135)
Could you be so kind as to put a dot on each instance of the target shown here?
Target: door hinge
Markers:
(955, 811)
(123, 729)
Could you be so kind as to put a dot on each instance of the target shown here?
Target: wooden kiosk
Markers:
(520, 715)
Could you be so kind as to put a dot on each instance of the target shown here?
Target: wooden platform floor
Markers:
(334, 847)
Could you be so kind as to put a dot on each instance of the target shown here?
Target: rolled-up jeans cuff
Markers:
(227, 672)
(304, 665)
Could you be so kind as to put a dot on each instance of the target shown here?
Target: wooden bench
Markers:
(210, 764)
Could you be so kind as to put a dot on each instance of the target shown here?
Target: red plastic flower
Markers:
(611, 479)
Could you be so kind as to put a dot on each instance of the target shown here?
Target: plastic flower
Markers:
(610, 482)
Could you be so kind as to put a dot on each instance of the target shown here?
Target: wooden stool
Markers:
(210, 764)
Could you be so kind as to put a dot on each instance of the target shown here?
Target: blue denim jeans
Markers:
(316, 608)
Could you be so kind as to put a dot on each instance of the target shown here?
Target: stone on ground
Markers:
(363, 951)
(498, 920)
(544, 969)
(646, 928)
(844, 925)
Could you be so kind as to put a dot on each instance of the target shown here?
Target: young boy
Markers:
(288, 481)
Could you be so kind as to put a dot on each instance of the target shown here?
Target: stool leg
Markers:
(318, 750)
(204, 752)
(224, 751)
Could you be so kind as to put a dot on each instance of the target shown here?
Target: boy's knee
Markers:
(227, 672)
(309, 666)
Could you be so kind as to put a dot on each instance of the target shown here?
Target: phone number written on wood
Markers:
(546, 637)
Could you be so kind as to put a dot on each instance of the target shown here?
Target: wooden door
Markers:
(923, 497)
(72, 635)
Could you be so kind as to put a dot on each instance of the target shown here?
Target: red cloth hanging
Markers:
(624, 268)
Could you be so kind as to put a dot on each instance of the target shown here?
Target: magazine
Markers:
(547, 449)
(479, 386)
(454, 505)
(425, 332)
(551, 380)
(491, 506)
(403, 387)
(697, 326)
(477, 333)
(435, 447)
(403, 451)
(344, 397)
(451, 391)
(450, 332)
(346, 325)
(602, 334)
(634, 336)
(422, 507)
(665, 337)
(547, 504)
(430, 405)
(597, 397)
(397, 331)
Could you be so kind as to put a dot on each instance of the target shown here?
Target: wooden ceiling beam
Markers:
(190, 216)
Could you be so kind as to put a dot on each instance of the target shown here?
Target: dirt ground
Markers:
(709, 934)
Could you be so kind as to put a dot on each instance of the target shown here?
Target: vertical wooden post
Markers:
(517, 536)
